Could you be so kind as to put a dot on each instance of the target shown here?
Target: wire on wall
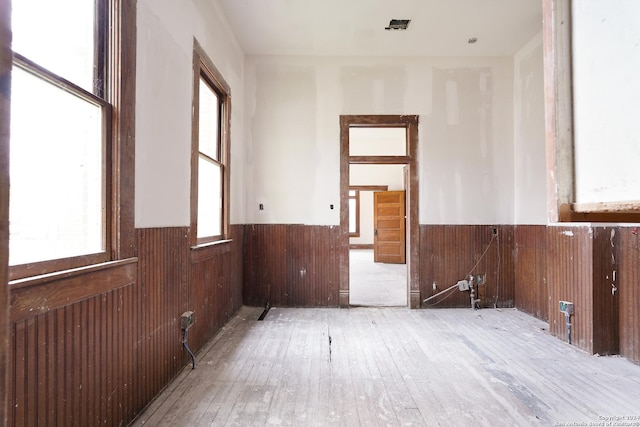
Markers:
(448, 292)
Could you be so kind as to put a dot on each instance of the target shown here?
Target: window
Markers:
(60, 166)
(354, 213)
(210, 162)
(592, 149)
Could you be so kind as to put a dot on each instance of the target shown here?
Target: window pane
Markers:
(57, 35)
(377, 142)
(208, 130)
(352, 216)
(209, 198)
(56, 207)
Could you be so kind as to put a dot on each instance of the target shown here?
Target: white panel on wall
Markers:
(529, 135)
(165, 31)
(466, 168)
(466, 146)
(606, 65)
(163, 121)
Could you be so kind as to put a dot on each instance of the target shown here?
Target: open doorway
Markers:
(377, 238)
(365, 153)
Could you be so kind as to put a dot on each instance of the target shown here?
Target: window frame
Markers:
(559, 127)
(203, 68)
(114, 91)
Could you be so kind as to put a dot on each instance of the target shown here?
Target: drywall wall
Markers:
(292, 133)
(166, 30)
(529, 135)
(606, 65)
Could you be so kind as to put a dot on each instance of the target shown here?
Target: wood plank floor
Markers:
(375, 284)
(396, 367)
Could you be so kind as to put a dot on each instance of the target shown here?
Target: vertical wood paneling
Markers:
(163, 259)
(265, 265)
(606, 298)
(531, 292)
(291, 265)
(569, 258)
(216, 291)
(450, 252)
(629, 292)
(506, 279)
(99, 360)
(55, 370)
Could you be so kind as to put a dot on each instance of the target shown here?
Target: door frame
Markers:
(410, 123)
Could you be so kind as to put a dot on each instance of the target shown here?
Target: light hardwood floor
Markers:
(375, 284)
(396, 367)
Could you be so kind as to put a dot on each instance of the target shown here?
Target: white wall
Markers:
(166, 29)
(292, 133)
(529, 135)
(606, 66)
(366, 220)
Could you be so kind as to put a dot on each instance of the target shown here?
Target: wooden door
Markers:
(389, 227)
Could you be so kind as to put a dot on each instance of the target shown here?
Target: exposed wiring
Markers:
(452, 288)
(493, 237)
(186, 347)
(446, 295)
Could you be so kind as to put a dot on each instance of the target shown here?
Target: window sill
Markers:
(209, 250)
(37, 295)
(67, 274)
(609, 213)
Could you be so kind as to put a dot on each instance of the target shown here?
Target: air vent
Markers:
(398, 24)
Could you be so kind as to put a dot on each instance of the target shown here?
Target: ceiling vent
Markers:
(398, 24)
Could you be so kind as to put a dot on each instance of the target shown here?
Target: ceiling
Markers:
(357, 27)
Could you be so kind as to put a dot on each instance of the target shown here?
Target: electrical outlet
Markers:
(566, 307)
(186, 320)
(435, 287)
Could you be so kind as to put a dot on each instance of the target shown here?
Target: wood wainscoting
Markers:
(536, 266)
(291, 265)
(581, 261)
(531, 291)
(448, 253)
(95, 348)
(629, 291)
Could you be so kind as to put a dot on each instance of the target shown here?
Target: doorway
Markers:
(377, 238)
(405, 159)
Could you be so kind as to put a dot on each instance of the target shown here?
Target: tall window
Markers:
(210, 164)
(60, 136)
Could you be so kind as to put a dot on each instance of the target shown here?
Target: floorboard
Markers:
(397, 367)
(376, 284)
